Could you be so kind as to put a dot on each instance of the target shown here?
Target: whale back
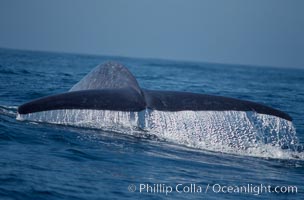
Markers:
(110, 75)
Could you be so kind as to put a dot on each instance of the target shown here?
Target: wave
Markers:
(234, 132)
(8, 71)
(10, 111)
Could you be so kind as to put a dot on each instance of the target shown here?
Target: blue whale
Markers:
(111, 86)
(110, 99)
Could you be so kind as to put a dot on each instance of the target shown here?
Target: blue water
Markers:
(45, 161)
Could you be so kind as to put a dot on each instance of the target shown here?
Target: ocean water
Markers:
(64, 161)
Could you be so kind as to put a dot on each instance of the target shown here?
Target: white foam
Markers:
(100, 119)
(237, 132)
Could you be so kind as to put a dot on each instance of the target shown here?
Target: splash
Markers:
(236, 132)
(100, 119)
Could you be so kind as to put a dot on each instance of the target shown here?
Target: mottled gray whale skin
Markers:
(111, 86)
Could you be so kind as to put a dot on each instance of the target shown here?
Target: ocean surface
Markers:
(49, 161)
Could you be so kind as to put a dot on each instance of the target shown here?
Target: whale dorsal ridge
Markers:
(110, 75)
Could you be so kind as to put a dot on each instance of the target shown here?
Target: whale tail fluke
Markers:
(111, 86)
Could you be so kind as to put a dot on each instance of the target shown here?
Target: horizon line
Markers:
(151, 58)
